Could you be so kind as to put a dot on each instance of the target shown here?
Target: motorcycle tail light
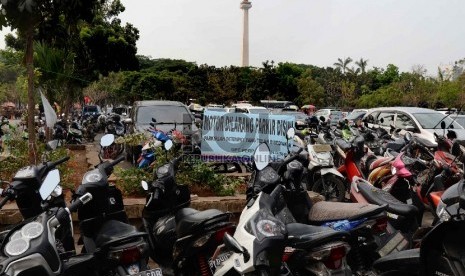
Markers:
(288, 251)
(128, 256)
(380, 225)
(331, 255)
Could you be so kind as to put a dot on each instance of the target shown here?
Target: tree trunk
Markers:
(30, 97)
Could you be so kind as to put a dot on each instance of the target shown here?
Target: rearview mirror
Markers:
(443, 125)
(323, 119)
(261, 156)
(154, 120)
(168, 145)
(290, 133)
(50, 182)
(408, 136)
(107, 140)
(145, 186)
(52, 145)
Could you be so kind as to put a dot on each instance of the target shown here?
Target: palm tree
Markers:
(343, 64)
(362, 64)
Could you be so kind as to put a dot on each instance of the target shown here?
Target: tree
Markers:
(343, 65)
(362, 64)
(26, 16)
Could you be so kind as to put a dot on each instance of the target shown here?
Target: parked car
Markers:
(252, 109)
(169, 115)
(91, 110)
(423, 122)
(355, 115)
(333, 116)
(300, 118)
(459, 118)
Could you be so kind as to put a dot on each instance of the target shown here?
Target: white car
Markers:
(333, 116)
(423, 122)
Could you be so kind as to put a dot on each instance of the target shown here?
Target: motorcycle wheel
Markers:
(333, 188)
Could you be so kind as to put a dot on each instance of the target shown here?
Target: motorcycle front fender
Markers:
(324, 171)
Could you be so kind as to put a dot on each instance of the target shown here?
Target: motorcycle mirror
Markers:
(322, 118)
(261, 156)
(154, 120)
(51, 145)
(107, 140)
(168, 145)
(443, 125)
(290, 133)
(127, 121)
(51, 181)
(408, 136)
(145, 186)
(232, 244)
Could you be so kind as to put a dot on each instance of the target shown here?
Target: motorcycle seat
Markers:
(189, 220)
(324, 211)
(303, 236)
(380, 161)
(407, 261)
(113, 232)
(380, 197)
(343, 144)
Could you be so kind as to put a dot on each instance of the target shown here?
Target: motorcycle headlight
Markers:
(17, 247)
(264, 225)
(163, 170)
(92, 176)
(32, 230)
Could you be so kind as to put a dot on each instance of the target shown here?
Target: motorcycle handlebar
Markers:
(116, 161)
(80, 202)
(58, 162)
(4, 200)
(282, 167)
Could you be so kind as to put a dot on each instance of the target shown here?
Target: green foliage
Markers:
(129, 180)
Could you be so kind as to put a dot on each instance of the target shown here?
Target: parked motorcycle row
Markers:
(280, 230)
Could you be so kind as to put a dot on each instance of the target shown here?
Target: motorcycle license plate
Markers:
(392, 243)
(151, 272)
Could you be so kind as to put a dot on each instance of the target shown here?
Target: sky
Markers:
(402, 32)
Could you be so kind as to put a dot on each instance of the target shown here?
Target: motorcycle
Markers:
(441, 249)
(367, 223)
(74, 134)
(181, 239)
(30, 247)
(104, 226)
(265, 244)
(24, 189)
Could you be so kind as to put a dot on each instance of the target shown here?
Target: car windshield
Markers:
(297, 115)
(89, 109)
(163, 114)
(460, 120)
(433, 119)
(355, 114)
(258, 110)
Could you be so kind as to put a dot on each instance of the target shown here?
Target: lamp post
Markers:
(245, 5)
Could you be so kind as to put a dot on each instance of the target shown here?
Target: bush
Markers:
(129, 180)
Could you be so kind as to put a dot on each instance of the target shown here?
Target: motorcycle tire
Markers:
(335, 188)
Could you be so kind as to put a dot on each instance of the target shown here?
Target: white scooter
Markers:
(264, 245)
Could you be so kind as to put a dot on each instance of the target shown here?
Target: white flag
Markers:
(50, 115)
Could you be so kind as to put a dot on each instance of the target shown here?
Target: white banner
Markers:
(50, 115)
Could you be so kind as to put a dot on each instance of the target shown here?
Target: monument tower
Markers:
(245, 5)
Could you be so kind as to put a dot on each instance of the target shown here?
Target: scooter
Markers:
(24, 189)
(30, 247)
(181, 239)
(264, 244)
(104, 226)
(441, 249)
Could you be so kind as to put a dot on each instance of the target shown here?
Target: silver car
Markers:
(423, 122)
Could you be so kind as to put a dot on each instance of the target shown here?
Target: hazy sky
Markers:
(402, 32)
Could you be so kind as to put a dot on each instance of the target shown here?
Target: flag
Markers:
(50, 115)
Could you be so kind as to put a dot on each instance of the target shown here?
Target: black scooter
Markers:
(30, 247)
(24, 189)
(180, 238)
(104, 226)
(442, 249)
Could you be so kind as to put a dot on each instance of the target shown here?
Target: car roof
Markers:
(157, 102)
(407, 109)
